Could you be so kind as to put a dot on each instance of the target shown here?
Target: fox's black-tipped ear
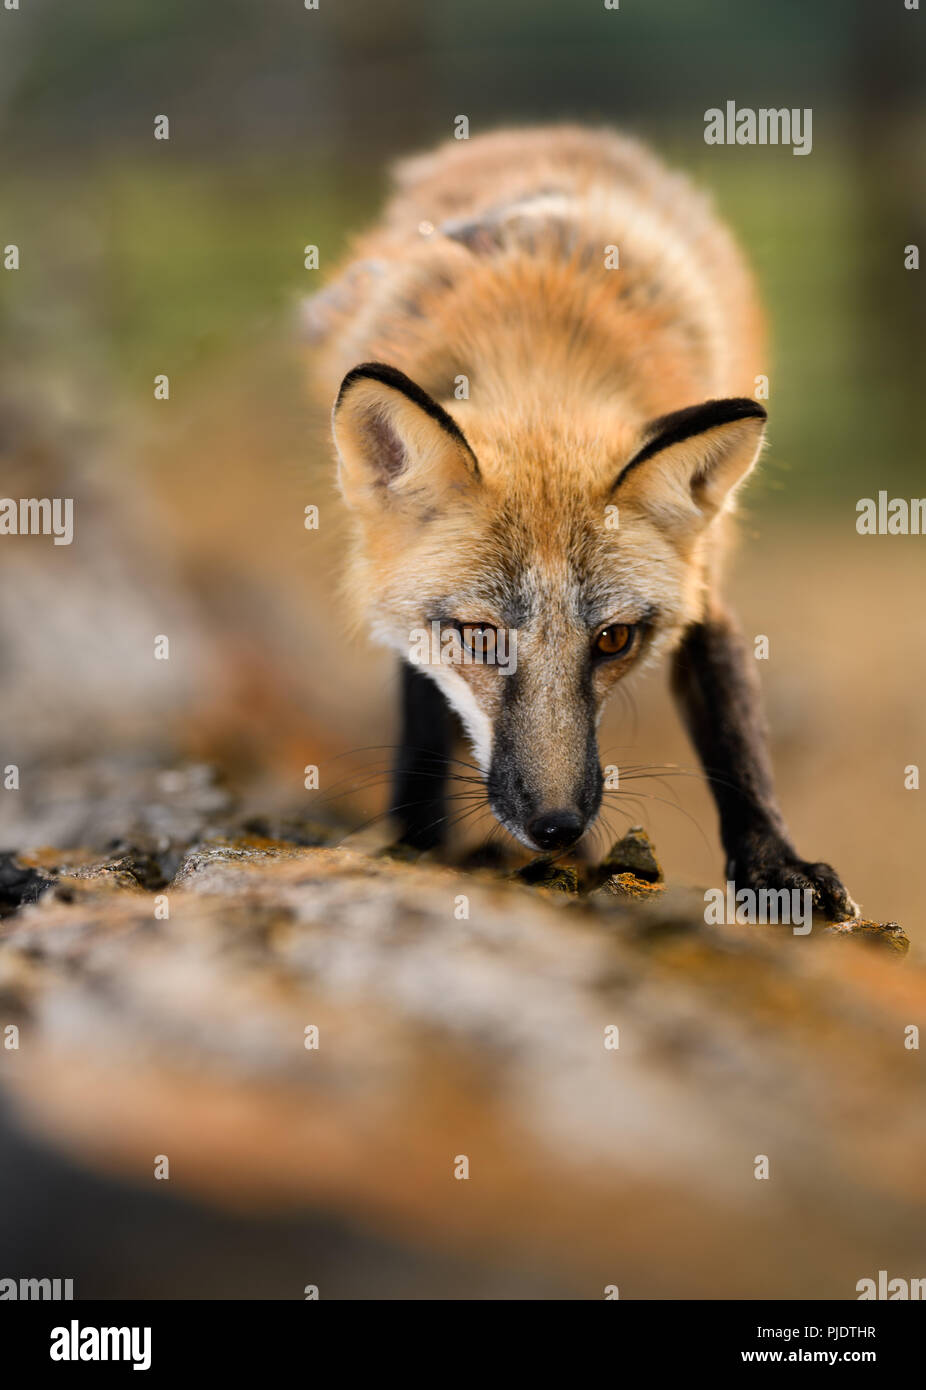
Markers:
(691, 461)
(396, 445)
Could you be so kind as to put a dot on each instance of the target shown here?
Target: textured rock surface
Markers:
(467, 1014)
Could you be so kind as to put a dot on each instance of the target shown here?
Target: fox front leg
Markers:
(718, 693)
(419, 781)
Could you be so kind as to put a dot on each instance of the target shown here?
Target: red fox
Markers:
(543, 361)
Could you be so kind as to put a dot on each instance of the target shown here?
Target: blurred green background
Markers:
(137, 253)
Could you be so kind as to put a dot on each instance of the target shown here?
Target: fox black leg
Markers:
(716, 688)
(419, 781)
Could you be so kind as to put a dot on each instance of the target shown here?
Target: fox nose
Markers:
(555, 829)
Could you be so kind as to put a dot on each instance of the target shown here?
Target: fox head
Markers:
(531, 559)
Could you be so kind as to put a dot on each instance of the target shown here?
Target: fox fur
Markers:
(546, 330)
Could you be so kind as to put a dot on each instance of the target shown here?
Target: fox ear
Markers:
(396, 445)
(691, 461)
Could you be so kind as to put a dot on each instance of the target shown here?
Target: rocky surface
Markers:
(611, 1067)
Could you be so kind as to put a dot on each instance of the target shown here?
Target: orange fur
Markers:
(490, 263)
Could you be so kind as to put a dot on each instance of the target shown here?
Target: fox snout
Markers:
(545, 797)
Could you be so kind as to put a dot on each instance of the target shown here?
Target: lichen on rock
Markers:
(471, 1011)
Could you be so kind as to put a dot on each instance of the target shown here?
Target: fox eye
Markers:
(481, 639)
(614, 640)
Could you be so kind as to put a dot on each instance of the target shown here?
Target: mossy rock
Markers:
(633, 854)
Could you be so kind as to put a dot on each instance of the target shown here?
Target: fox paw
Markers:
(776, 867)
